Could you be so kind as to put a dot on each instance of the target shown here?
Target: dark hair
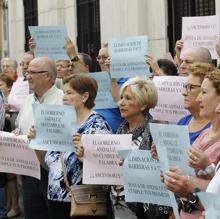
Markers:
(9, 82)
(87, 60)
(82, 83)
(168, 67)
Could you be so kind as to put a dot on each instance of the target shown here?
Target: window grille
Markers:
(30, 18)
(185, 8)
(88, 24)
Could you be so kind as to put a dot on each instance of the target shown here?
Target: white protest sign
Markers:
(141, 176)
(50, 41)
(18, 94)
(170, 106)
(104, 98)
(172, 142)
(128, 56)
(202, 31)
(211, 203)
(16, 157)
(55, 125)
(100, 161)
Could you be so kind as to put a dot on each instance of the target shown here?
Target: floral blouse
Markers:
(57, 190)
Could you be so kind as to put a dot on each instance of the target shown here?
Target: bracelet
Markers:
(209, 169)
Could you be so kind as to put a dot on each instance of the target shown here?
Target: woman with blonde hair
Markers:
(137, 96)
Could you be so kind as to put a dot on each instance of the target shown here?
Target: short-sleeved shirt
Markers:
(192, 135)
(57, 190)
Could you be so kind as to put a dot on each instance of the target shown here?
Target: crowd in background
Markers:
(59, 82)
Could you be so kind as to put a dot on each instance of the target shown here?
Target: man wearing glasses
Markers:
(112, 115)
(41, 76)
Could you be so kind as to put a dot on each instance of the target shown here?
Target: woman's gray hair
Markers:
(12, 62)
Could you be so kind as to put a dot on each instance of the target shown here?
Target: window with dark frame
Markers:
(88, 24)
(185, 8)
(30, 18)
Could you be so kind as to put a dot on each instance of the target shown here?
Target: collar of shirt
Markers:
(44, 97)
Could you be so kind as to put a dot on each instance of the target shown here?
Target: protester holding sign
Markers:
(208, 141)
(138, 96)
(190, 56)
(195, 122)
(78, 64)
(41, 76)
(80, 92)
(11, 187)
(161, 67)
(112, 115)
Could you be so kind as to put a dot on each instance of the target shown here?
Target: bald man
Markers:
(192, 56)
(41, 75)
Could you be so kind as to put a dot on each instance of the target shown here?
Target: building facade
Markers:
(91, 23)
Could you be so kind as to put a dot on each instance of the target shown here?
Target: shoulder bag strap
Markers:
(64, 174)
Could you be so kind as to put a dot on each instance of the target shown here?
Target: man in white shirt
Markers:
(41, 75)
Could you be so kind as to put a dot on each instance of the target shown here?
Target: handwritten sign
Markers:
(100, 162)
(141, 176)
(55, 125)
(211, 203)
(170, 106)
(16, 157)
(172, 142)
(18, 94)
(50, 41)
(128, 56)
(104, 98)
(202, 31)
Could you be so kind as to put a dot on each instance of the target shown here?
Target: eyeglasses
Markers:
(98, 58)
(189, 87)
(62, 66)
(34, 72)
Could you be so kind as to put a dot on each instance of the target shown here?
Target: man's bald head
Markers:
(192, 56)
(46, 64)
(41, 75)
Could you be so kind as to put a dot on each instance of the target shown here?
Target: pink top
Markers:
(212, 149)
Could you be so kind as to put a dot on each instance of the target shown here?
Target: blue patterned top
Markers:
(57, 190)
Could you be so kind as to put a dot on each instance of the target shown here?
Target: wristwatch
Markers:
(192, 197)
(209, 169)
(75, 59)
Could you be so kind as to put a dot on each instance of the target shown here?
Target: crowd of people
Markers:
(60, 82)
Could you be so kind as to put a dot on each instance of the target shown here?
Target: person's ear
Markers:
(85, 97)
(143, 108)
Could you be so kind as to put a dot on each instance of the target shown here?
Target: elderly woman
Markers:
(11, 187)
(138, 96)
(80, 92)
(208, 141)
(195, 122)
